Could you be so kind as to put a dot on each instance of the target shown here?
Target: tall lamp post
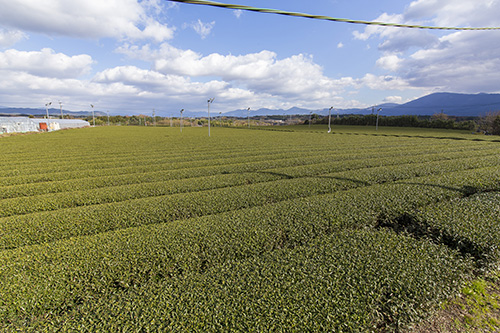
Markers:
(60, 107)
(330, 119)
(248, 117)
(378, 112)
(310, 113)
(93, 118)
(220, 119)
(210, 101)
(47, 109)
(181, 119)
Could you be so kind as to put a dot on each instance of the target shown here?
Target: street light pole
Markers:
(330, 119)
(310, 113)
(181, 119)
(60, 106)
(378, 111)
(210, 101)
(220, 119)
(47, 109)
(93, 118)
(248, 117)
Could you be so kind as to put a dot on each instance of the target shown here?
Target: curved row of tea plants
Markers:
(368, 174)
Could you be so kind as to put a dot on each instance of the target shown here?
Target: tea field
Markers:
(290, 229)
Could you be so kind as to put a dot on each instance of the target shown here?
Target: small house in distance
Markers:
(25, 124)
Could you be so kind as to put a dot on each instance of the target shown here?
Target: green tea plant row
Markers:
(304, 166)
(49, 171)
(92, 172)
(62, 159)
(37, 173)
(471, 224)
(161, 160)
(43, 227)
(371, 175)
(348, 281)
(80, 274)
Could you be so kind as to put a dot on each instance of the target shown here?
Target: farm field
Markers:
(274, 229)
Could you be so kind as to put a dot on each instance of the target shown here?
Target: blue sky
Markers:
(130, 57)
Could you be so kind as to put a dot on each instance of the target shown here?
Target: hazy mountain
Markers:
(450, 103)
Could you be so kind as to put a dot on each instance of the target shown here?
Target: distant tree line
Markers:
(489, 124)
(435, 121)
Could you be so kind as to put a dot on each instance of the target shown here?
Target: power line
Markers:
(321, 17)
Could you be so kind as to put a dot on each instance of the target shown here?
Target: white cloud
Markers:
(296, 77)
(384, 82)
(238, 13)
(463, 61)
(397, 39)
(10, 37)
(390, 62)
(340, 45)
(84, 18)
(393, 99)
(45, 63)
(455, 13)
(203, 29)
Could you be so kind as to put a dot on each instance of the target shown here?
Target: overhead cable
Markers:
(321, 17)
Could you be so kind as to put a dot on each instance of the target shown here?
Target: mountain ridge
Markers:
(452, 104)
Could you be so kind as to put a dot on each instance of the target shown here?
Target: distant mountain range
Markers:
(451, 104)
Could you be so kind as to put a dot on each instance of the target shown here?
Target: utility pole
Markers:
(181, 119)
(108, 116)
(93, 118)
(248, 117)
(154, 118)
(210, 101)
(60, 106)
(47, 109)
(330, 119)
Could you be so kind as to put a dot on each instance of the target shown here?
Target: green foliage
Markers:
(148, 229)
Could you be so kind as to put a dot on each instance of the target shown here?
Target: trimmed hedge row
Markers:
(470, 224)
(343, 282)
(366, 176)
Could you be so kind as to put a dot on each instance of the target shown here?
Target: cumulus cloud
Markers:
(45, 63)
(463, 61)
(85, 18)
(393, 99)
(296, 77)
(455, 13)
(10, 37)
(390, 62)
(397, 39)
